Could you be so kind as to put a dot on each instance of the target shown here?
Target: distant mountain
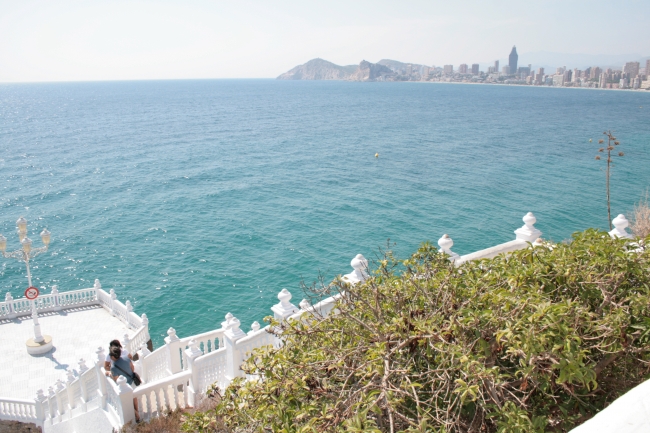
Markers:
(396, 66)
(319, 69)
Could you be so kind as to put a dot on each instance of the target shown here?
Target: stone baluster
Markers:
(233, 356)
(174, 346)
(528, 232)
(142, 354)
(193, 391)
(55, 297)
(51, 402)
(113, 300)
(82, 384)
(40, 402)
(10, 304)
(255, 326)
(445, 243)
(620, 224)
(125, 393)
(359, 274)
(68, 386)
(59, 403)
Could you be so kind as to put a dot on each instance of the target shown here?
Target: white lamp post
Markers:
(40, 343)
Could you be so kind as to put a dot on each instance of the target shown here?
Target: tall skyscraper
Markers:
(512, 60)
(496, 66)
(462, 68)
(647, 69)
(475, 68)
(631, 68)
(448, 69)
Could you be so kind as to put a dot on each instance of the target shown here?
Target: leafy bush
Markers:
(537, 341)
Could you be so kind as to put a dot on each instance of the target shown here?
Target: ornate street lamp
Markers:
(40, 343)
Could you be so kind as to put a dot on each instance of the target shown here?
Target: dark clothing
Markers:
(125, 365)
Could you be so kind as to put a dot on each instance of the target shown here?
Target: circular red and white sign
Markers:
(31, 293)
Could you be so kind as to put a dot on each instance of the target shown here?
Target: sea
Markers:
(197, 198)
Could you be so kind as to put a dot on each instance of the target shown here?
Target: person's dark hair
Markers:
(115, 343)
(116, 352)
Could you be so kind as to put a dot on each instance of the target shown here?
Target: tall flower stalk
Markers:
(611, 143)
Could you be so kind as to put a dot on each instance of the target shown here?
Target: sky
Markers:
(83, 40)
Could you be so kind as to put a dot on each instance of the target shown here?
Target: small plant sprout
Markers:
(612, 142)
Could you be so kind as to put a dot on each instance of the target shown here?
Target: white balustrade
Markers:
(211, 368)
(18, 410)
(158, 397)
(445, 243)
(620, 224)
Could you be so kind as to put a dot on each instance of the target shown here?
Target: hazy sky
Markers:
(70, 40)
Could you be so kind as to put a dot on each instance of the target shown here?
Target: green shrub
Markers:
(537, 341)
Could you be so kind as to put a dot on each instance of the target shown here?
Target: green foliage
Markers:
(536, 341)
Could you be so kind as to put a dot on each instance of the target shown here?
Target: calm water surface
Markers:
(196, 198)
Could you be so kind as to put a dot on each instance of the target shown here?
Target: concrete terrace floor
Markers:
(76, 333)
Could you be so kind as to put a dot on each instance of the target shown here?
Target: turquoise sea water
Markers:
(196, 198)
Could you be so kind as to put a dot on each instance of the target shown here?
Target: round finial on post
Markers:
(226, 323)
(620, 224)
(171, 333)
(528, 232)
(112, 293)
(55, 290)
(40, 395)
(145, 319)
(97, 285)
(101, 355)
(59, 385)
(82, 365)
(234, 332)
(128, 306)
(304, 304)
(359, 263)
(8, 297)
(255, 326)
(70, 375)
(445, 243)
(285, 297)
(144, 350)
(529, 220)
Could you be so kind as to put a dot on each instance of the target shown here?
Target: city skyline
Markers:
(74, 40)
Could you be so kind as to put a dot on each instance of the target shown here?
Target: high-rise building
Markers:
(560, 70)
(505, 70)
(595, 73)
(567, 76)
(448, 69)
(631, 68)
(512, 60)
(475, 69)
(496, 66)
(462, 68)
(576, 75)
(647, 69)
(523, 72)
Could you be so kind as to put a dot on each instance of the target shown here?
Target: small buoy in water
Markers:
(376, 155)
(590, 140)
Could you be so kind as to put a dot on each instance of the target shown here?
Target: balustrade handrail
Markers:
(215, 333)
(169, 380)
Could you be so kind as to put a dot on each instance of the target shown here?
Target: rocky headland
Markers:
(319, 69)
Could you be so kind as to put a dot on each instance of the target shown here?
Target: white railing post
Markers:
(101, 373)
(55, 297)
(284, 308)
(97, 287)
(126, 400)
(445, 243)
(528, 232)
(10, 303)
(113, 299)
(173, 345)
(191, 353)
(359, 274)
(82, 384)
(233, 357)
(70, 392)
(59, 404)
(142, 354)
(225, 325)
(620, 224)
(51, 401)
(40, 410)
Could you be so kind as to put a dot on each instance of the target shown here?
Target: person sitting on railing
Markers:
(123, 367)
(108, 363)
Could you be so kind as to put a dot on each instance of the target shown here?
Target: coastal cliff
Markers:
(319, 69)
